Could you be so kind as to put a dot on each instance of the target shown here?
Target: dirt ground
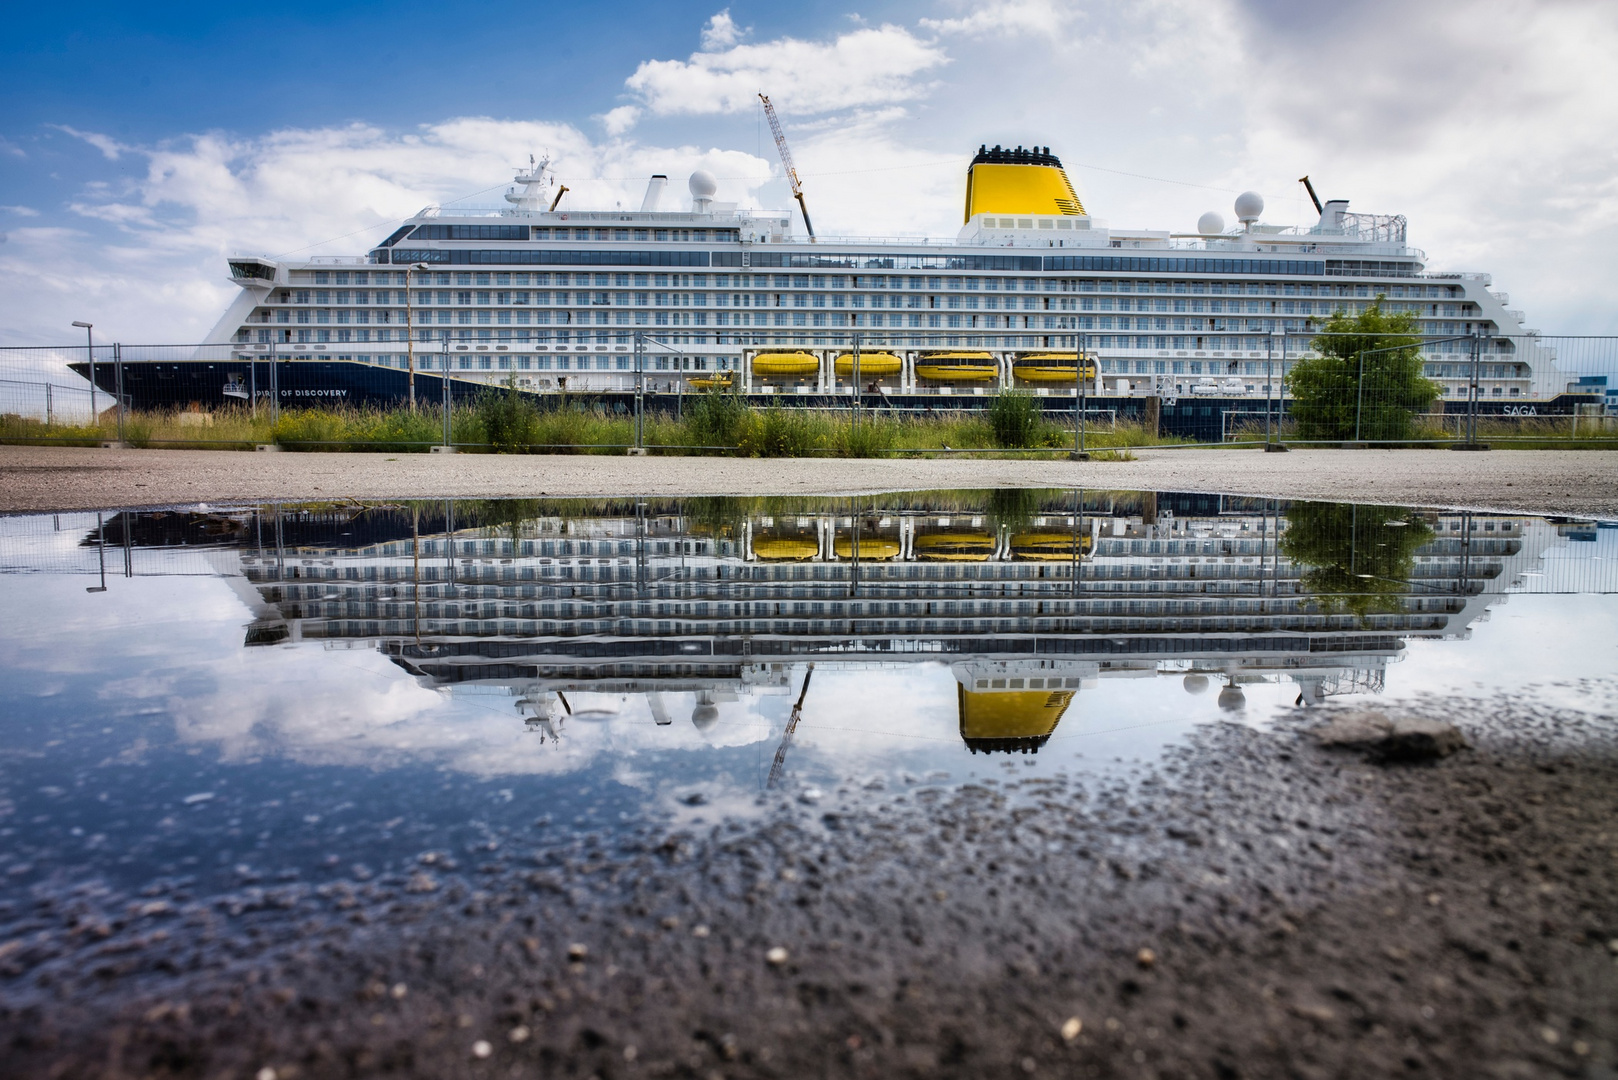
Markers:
(1579, 482)
(1253, 906)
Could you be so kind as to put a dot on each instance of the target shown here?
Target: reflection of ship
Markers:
(702, 602)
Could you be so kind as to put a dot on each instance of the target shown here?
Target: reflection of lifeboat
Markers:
(1048, 546)
(873, 364)
(956, 367)
(786, 548)
(871, 547)
(1009, 721)
(718, 380)
(1051, 367)
(785, 363)
(954, 547)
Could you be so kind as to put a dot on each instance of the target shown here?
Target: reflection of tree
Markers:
(1013, 508)
(1357, 561)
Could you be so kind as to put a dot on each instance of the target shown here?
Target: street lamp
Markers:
(90, 350)
(410, 332)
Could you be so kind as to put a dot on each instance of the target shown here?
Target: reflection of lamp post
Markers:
(90, 351)
(101, 549)
(410, 333)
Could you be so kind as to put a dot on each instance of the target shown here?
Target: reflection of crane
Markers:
(786, 163)
(792, 725)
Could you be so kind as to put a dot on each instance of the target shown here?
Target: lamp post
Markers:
(410, 332)
(90, 351)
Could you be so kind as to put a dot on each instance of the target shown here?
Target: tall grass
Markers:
(503, 422)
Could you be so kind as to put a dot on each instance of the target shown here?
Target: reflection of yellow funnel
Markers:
(954, 546)
(782, 548)
(1048, 546)
(1011, 721)
(871, 547)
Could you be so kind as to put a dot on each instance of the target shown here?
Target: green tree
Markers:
(1359, 558)
(1364, 368)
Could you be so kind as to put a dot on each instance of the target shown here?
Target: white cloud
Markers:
(619, 120)
(21, 211)
(1020, 17)
(110, 148)
(721, 32)
(858, 69)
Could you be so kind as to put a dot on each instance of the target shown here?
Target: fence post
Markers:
(118, 367)
(1359, 400)
(443, 378)
(49, 418)
(275, 386)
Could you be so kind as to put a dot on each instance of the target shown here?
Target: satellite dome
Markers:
(1211, 224)
(705, 715)
(1232, 698)
(1249, 207)
(1195, 684)
(703, 184)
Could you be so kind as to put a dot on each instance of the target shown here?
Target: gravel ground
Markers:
(1255, 905)
(62, 478)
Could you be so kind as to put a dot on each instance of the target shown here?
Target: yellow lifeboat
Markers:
(1052, 367)
(1049, 546)
(785, 363)
(957, 367)
(872, 364)
(955, 547)
(1009, 720)
(719, 380)
(785, 548)
(871, 547)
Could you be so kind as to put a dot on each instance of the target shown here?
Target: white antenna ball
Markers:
(703, 185)
(1211, 224)
(1249, 206)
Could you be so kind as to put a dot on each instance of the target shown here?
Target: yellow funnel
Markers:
(1019, 182)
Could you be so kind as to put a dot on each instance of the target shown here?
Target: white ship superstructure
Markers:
(552, 297)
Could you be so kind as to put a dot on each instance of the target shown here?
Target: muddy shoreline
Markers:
(1305, 912)
(43, 479)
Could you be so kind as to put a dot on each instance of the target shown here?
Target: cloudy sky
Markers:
(139, 148)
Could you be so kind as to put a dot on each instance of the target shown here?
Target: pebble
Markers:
(482, 1049)
(399, 991)
(1146, 958)
(577, 951)
(266, 1073)
(699, 931)
(518, 1034)
(1071, 1028)
(776, 956)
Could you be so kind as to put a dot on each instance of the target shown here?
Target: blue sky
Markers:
(140, 147)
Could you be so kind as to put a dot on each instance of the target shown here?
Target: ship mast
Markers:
(786, 163)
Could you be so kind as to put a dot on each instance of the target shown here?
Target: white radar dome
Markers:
(1249, 207)
(703, 184)
(1211, 224)
(1195, 684)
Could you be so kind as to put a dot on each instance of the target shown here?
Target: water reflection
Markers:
(684, 611)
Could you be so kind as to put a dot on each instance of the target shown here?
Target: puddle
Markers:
(232, 701)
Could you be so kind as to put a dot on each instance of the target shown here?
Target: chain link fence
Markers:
(1523, 390)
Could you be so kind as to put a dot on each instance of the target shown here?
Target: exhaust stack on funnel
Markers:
(654, 193)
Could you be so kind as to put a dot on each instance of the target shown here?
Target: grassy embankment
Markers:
(711, 424)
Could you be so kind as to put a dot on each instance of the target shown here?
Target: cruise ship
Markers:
(668, 299)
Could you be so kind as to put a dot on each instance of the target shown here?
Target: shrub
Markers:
(1014, 418)
(716, 418)
(509, 418)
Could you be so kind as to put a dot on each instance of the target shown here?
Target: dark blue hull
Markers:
(214, 384)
